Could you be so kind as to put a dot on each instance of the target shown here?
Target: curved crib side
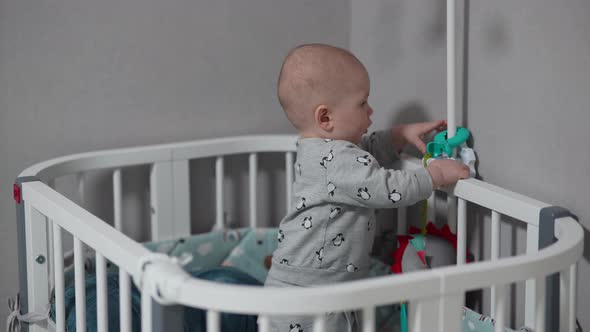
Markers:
(436, 293)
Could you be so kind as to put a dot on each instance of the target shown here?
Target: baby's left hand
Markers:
(413, 133)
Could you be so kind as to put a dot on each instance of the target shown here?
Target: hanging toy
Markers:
(443, 147)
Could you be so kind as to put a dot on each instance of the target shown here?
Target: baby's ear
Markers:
(322, 118)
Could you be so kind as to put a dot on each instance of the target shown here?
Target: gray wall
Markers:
(526, 96)
(81, 75)
(84, 75)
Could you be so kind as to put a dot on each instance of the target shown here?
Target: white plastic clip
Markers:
(161, 276)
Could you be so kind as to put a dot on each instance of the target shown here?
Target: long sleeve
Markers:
(355, 177)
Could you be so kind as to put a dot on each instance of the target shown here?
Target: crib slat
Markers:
(80, 285)
(530, 298)
(402, 224)
(319, 323)
(58, 262)
(124, 301)
(495, 254)
(422, 315)
(146, 312)
(369, 319)
(253, 163)
(101, 294)
(431, 211)
(80, 179)
(181, 198)
(499, 313)
(540, 305)
(452, 212)
(288, 177)
(117, 200)
(572, 297)
(51, 184)
(213, 321)
(461, 231)
(450, 312)
(219, 174)
(263, 323)
(564, 280)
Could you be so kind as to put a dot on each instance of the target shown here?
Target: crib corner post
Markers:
(23, 293)
(547, 217)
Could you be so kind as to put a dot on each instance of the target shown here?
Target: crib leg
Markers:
(547, 219)
(22, 245)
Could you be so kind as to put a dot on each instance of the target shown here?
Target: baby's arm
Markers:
(355, 177)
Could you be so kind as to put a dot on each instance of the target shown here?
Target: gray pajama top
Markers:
(338, 185)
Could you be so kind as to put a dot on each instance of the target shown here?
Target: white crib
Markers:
(554, 245)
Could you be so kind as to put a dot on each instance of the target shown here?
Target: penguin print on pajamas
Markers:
(306, 223)
(364, 193)
(351, 268)
(335, 212)
(295, 328)
(365, 160)
(280, 236)
(301, 204)
(298, 169)
(394, 196)
(331, 188)
(320, 254)
(326, 159)
(369, 224)
(284, 261)
(328, 140)
(338, 240)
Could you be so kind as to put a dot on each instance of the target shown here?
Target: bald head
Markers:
(312, 75)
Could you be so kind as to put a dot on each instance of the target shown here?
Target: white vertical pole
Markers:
(80, 184)
(461, 231)
(213, 321)
(124, 300)
(499, 312)
(253, 162)
(431, 210)
(58, 262)
(319, 323)
(450, 312)
(402, 224)
(530, 298)
(495, 255)
(564, 293)
(117, 200)
(80, 285)
(146, 312)
(451, 82)
(219, 174)
(289, 178)
(181, 198)
(51, 184)
(451, 85)
(572, 297)
(263, 323)
(540, 305)
(161, 197)
(101, 294)
(369, 319)
(423, 315)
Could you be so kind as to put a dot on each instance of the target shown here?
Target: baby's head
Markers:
(323, 91)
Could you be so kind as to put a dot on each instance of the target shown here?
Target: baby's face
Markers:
(352, 114)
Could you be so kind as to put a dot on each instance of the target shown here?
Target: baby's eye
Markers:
(364, 103)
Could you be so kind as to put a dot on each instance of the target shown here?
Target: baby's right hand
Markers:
(446, 171)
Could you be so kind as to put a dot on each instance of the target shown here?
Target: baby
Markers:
(340, 177)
